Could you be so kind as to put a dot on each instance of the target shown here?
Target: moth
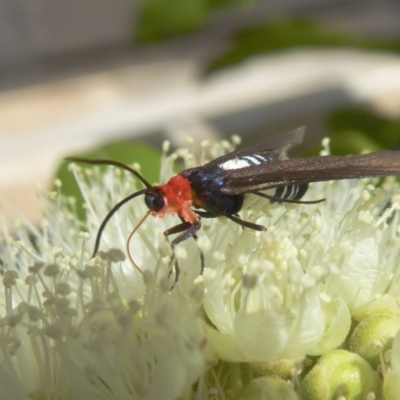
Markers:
(222, 186)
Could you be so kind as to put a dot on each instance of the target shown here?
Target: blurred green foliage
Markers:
(384, 132)
(217, 4)
(162, 19)
(353, 130)
(126, 152)
(346, 142)
(292, 33)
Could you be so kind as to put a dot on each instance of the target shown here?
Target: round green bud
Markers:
(374, 336)
(341, 373)
(385, 304)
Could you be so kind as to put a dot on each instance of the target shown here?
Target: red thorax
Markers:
(178, 199)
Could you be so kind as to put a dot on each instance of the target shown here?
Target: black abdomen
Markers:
(292, 192)
(206, 186)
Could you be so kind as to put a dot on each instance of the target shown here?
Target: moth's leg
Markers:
(247, 224)
(171, 231)
(202, 258)
(234, 218)
(187, 230)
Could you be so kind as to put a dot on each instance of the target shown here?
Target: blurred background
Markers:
(91, 77)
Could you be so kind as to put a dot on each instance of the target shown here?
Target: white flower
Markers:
(70, 329)
(289, 292)
(79, 328)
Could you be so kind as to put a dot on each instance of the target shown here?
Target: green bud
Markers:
(341, 373)
(373, 336)
(385, 304)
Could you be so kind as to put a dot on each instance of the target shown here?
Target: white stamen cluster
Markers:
(77, 327)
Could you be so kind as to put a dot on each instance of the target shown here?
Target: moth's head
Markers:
(154, 199)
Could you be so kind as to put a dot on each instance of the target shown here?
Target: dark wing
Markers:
(273, 147)
(295, 171)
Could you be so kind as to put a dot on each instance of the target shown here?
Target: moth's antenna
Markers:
(115, 164)
(110, 214)
(119, 204)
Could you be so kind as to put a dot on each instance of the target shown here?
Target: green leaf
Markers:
(348, 142)
(125, 151)
(344, 143)
(165, 18)
(292, 33)
(384, 132)
(218, 4)
(162, 19)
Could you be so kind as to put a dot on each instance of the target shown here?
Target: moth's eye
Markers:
(154, 200)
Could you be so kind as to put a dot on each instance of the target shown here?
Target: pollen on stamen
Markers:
(366, 195)
(317, 272)
(204, 144)
(236, 139)
(303, 254)
(136, 166)
(366, 216)
(293, 227)
(73, 167)
(172, 158)
(325, 297)
(249, 281)
(71, 200)
(166, 145)
(183, 153)
(334, 270)
(226, 145)
(84, 235)
(189, 140)
(56, 251)
(204, 243)
(10, 278)
(180, 253)
(208, 275)
(325, 147)
(243, 259)
(52, 195)
(89, 172)
(316, 222)
(218, 256)
(17, 244)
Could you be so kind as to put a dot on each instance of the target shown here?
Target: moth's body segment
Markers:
(206, 192)
(177, 198)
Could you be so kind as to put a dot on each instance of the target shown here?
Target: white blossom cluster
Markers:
(308, 309)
